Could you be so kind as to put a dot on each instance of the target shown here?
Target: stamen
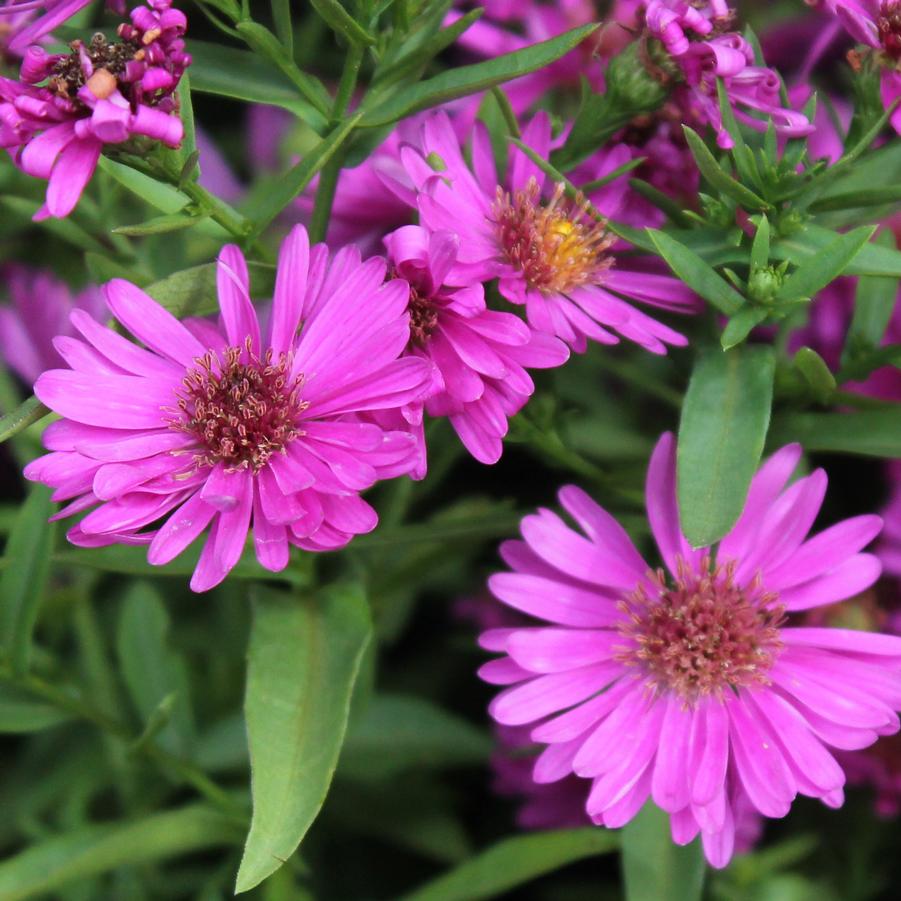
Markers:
(557, 247)
(423, 318)
(241, 411)
(704, 635)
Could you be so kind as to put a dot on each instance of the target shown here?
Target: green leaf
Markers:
(721, 437)
(66, 229)
(186, 111)
(463, 80)
(284, 27)
(760, 249)
(274, 199)
(229, 72)
(160, 225)
(697, 274)
(853, 200)
(399, 732)
(27, 413)
(20, 713)
(741, 324)
(157, 194)
(150, 669)
(816, 373)
(515, 862)
(341, 22)
(190, 292)
(717, 178)
(654, 867)
(870, 433)
(824, 267)
(871, 260)
(874, 303)
(91, 850)
(302, 663)
(22, 585)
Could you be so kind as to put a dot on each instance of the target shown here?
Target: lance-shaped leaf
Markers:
(816, 373)
(514, 862)
(302, 664)
(697, 274)
(464, 80)
(717, 177)
(869, 433)
(342, 22)
(871, 259)
(22, 584)
(656, 869)
(825, 266)
(722, 432)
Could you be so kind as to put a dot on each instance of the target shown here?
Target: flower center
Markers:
(423, 318)
(889, 24)
(705, 634)
(241, 411)
(557, 247)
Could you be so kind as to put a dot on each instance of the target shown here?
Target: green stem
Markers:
(328, 179)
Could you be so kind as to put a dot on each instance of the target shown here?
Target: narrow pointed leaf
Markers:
(816, 373)
(722, 432)
(302, 664)
(20, 713)
(341, 21)
(872, 259)
(741, 325)
(713, 172)
(870, 433)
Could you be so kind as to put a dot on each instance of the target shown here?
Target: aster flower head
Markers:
(229, 427)
(479, 357)
(548, 252)
(37, 318)
(698, 48)
(691, 684)
(877, 25)
(66, 107)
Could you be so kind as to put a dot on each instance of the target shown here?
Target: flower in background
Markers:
(36, 322)
(688, 684)
(66, 107)
(548, 252)
(698, 48)
(19, 16)
(227, 429)
(478, 356)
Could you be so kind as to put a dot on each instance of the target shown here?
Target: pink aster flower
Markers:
(478, 356)
(228, 428)
(67, 107)
(548, 253)
(877, 25)
(30, 30)
(698, 46)
(688, 684)
(38, 312)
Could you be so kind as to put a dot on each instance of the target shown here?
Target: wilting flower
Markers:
(698, 49)
(548, 252)
(37, 319)
(876, 24)
(221, 427)
(478, 356)
(689, 684)
(66, 107)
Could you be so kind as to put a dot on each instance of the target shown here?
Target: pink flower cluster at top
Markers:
(65, 108)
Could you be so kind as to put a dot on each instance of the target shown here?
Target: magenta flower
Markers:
(548, 253)
(689, 685)
(67, 107)
(19, 13)
(222, 427)
(697, 44)
(38, 313)
(478, 356)
(876, 24)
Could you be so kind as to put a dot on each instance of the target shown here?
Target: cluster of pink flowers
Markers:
(65, 108)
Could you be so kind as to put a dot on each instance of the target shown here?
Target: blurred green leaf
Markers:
(816, 373)
(715, 175)
(514, 862)
(229, 72)
(463, 80)
(398, 732)
(871, 259)
(89, 850)
(151, 670)
(157, 194)
(22, 585)
(825, 266)
(721, 437)
(20, 713)
(654, 867)
(284, 27)
(697, 274)
(302, 663)
(870, 433)
(67, 229)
